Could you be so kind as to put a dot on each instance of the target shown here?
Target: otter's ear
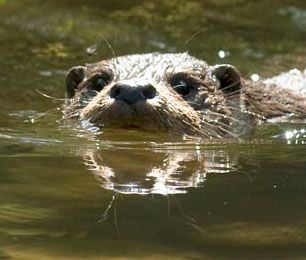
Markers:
(74, 77)
(228, 77)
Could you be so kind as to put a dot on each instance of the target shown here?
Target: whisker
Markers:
(235, 93)
(212, 131)
(109, 45)
(194, 103)
(231, 85)
(224, 116)
(195, 35)
(223, 124)
(245, 111)
(227, 131)
(47, 96)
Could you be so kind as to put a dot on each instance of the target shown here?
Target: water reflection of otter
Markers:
(178, 93)
(170, 172)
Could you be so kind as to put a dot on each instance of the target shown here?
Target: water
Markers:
(72, 192)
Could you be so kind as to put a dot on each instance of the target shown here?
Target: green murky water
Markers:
(69, 193)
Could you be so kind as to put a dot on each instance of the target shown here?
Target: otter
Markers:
(175, 93)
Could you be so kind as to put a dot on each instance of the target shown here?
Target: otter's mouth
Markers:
(120, 114)
(156, 114)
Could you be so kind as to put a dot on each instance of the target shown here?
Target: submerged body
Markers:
(176, 93)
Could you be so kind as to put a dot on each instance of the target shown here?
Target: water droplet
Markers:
(221, 54)
(255, 77)
(92, 49)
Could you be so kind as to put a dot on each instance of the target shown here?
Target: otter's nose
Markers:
(132, 94)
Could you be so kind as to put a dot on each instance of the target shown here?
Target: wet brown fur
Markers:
(219, 104)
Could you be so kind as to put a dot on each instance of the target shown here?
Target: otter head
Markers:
(164, 92)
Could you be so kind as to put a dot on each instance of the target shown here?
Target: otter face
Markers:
(167, 92)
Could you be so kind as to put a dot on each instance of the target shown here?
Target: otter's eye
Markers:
(99, 81)
(99, 84)
(183, 88)
(182, 83)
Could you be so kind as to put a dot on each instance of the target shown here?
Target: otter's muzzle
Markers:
(131, 94)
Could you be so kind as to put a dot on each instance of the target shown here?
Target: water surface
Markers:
(70, 192)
